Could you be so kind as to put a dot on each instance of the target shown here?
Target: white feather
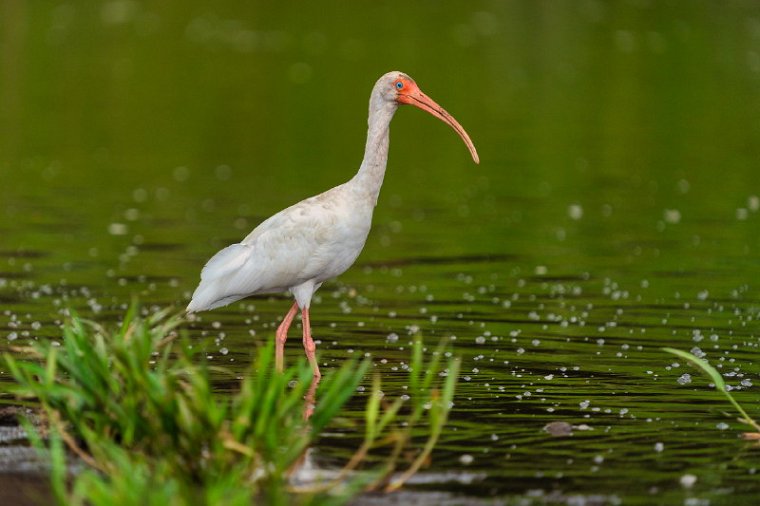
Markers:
(305, 244)
(318, 238)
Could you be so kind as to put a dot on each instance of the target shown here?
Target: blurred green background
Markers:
(615, 209)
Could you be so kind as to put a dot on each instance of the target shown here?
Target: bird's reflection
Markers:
(300, 471)
(310, 399)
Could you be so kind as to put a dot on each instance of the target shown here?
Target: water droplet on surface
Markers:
(117, 229)
(466, 459)
(575, 211)
(672, 216)
(687, 480)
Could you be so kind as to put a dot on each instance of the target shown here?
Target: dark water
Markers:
(615, 211)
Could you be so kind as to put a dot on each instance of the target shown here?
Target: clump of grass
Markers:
(137, 405)
(720, 384)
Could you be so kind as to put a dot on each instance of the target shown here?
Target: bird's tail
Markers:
(217, 279)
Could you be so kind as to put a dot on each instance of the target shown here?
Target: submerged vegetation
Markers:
(136, 404)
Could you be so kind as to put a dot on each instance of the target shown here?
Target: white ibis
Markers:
(316, 239)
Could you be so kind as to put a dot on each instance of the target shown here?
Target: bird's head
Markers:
(400, 88)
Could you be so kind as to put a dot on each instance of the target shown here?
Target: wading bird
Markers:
(317, 239)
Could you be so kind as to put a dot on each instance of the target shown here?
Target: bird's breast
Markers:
(340, 241)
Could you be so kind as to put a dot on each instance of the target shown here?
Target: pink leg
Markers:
(308, 343)
(281, 335)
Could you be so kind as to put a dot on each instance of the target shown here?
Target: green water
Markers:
(615, 211)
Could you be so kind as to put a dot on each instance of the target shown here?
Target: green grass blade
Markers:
(717, 379)
(702, 364)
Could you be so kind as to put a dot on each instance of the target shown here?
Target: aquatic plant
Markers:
(136, 404)
(720, 384)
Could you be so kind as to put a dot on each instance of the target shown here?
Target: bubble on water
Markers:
(697, 352)
(722, 426)
(131, 214)
(535, 342)
(480, 340)
(575, 211)
(520, 351)
(658, 447)
(672, 216)
(466, 459)
(684, 379)
(140, 194)
(12, 336)
(687, 480)
(117, 229)
(224, 351)
(753, 203)
(746, 382)
(584, 404)
(181, 173)
(703, 295)
(392, 337)
(223, 172)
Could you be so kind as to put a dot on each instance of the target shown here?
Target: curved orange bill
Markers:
(418, 99)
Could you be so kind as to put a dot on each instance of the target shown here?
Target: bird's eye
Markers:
(399, 85)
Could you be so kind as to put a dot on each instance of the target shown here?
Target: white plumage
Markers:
(316, 239)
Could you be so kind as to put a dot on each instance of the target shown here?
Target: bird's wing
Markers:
(289, 248)
(215, 289)
(226, 261)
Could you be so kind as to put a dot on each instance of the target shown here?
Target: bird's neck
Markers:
(369, 179)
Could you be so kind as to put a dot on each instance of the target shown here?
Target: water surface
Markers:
(615, 211)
